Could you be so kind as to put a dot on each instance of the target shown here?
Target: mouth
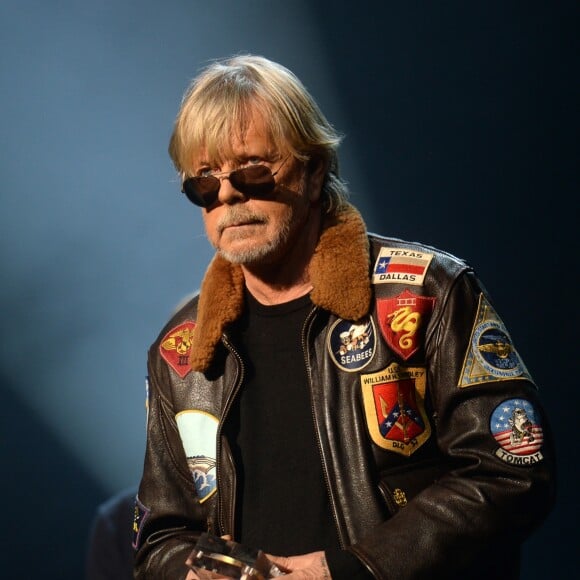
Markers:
(240, 224)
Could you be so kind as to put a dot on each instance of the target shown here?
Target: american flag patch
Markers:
(401, 266)
(516, 427)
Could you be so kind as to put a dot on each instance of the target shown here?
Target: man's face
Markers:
(252, 231)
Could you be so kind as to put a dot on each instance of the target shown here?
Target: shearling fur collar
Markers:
(341, 258)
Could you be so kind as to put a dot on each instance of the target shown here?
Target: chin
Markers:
(268, 250)
(249, 256)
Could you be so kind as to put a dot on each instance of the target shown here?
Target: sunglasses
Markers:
(252, 181)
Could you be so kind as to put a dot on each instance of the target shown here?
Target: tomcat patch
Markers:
(515, 424)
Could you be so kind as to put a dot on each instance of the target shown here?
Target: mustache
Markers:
(238, 215)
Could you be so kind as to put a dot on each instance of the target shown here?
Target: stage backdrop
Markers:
(461, 130)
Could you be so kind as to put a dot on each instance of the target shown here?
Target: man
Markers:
(337, 399)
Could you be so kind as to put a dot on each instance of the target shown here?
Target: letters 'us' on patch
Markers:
(394, 408)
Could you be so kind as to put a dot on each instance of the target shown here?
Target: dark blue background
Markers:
(461, 131)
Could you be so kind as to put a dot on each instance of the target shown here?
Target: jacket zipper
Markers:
(305, 332)
(223, 528)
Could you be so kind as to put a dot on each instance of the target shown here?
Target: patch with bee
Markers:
(176, 346)
(491, 355)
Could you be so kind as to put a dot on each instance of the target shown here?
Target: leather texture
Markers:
(447, 507)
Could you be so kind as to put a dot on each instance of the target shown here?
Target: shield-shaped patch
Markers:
(395, 409)
(402, 321)
(176, 346)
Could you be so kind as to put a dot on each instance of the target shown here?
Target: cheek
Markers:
(282, 215)
(210, 222)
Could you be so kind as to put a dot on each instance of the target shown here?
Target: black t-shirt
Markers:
(282, 500)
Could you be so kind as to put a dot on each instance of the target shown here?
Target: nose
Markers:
(227, 193)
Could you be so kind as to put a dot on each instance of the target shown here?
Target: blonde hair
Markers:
(221, 100)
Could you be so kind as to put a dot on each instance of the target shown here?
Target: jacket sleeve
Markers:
(492, 496)
(168, 515)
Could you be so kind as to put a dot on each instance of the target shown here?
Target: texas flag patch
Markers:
(401, 266)
(176, 346)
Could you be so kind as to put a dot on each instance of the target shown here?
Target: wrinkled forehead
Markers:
(219, 134)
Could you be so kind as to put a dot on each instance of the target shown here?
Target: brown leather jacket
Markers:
(436, 451)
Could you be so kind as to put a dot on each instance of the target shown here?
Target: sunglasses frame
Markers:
(190, 186)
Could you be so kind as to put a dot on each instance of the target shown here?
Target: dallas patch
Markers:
(140, 514)
(198, 431)
(351, 346)
(491, 355)
(516, 427)
(402, 321)
(175, 348)
(401, 266)
(395, 409)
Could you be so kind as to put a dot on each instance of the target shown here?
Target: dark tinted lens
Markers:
(256, 180)
(202, 191)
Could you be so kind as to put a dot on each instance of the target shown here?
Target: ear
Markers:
(316, 172)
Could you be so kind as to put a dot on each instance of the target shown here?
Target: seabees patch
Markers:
(402, 321)
(401, 266)
(515, 424)
(176, 346)
(395, 409)
(351, 345)
(491, 355)
(198, 431)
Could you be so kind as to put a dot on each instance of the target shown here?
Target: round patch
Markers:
(515, 424)
(494, 350)
(198, 430)
(352, 346)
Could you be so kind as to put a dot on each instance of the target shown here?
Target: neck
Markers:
(271, 293)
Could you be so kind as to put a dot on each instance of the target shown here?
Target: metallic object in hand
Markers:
(231, 559)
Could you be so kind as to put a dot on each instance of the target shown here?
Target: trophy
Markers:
(231, 559)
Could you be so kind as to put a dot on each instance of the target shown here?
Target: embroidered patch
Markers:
(516, 427)
(146, 401)
(140, 514)
(198, 431)
(402, 321)
(351, 346)
(175, 348)
(401, 266)
(491, 355)
(395, 409)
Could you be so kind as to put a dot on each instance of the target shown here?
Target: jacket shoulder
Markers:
(435, 266)
(184, 312)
